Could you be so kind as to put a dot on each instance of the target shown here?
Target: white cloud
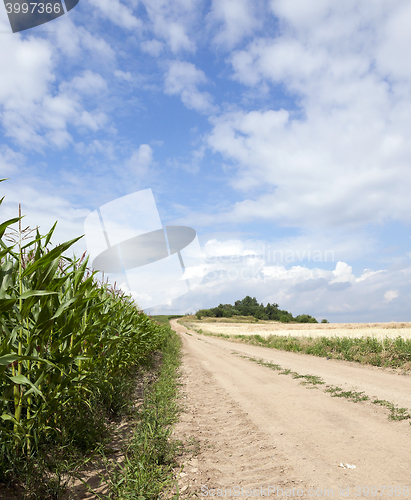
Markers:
(118, 13)
(153, 47)
(273, 261)
(35, 113)
(342, 273)
(238, 20)
(172, 21)
(182, 78)
(295, 273)
(340, 161)
(123, 75)
(9, 161)
(311, 248)
(39, 119)
(215, 249)
(26, 70)
(337, 158)
(140, 160)
(92, 121)
(104, 148)
(392, 55)
(75, 42)
(89, 83)
(282, 59)
(189, 164)
(367, 274)
(390, 295)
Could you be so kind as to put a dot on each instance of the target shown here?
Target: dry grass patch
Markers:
(314, 330)
(378, 344)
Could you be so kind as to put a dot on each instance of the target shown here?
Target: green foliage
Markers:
(164, 319)
(65, 343)
(204, 312)
(395, 412)
(305, 318)
(249, 306)
(354, 396)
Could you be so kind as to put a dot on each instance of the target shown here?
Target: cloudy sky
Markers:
(277, 129)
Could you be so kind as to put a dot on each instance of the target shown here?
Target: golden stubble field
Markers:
(266, 328)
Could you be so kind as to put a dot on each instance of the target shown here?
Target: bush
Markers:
(324, 321)
(250, 307)
(284, 319)
(305, 318)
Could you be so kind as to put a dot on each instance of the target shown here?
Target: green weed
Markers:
(354, 396)
(311, 380)
(395, 412)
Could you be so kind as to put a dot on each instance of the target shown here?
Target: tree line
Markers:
(250, 307)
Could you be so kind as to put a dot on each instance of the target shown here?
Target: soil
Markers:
(260, 433)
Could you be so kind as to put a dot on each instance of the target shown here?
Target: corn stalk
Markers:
(63, 334)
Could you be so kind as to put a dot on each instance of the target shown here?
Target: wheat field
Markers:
(351, 330)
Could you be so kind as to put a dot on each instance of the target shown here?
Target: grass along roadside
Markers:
(387, 352)
(147, 471)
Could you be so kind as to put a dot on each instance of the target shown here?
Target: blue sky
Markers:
(277, 129)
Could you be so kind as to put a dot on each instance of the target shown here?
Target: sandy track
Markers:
(265, 429)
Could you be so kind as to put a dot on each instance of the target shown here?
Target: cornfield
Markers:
(63, 336)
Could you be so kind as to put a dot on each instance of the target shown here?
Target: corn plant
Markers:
(63, 337)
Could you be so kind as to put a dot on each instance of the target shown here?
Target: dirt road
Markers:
(260, 429)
